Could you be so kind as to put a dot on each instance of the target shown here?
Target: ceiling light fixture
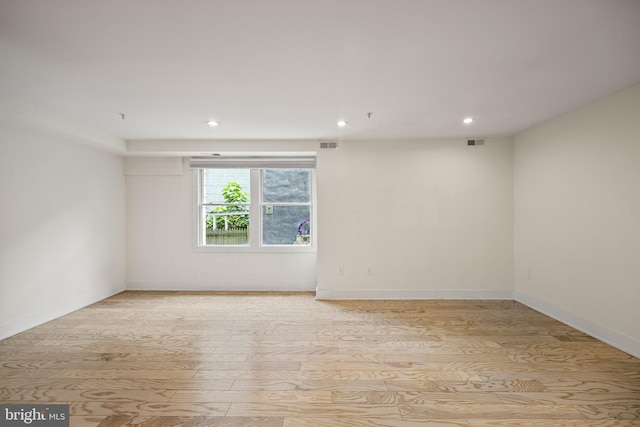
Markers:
(213, 123)
(468, 120)
(342, 123)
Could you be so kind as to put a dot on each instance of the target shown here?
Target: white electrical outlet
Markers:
(341, 271)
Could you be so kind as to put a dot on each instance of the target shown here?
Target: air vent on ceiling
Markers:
(328, 145)
(471, 142)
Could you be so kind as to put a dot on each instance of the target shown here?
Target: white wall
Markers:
(61, 221)
(160, 240)
(577, 210)
(433, 219)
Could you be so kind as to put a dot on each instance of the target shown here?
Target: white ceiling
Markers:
(290, 69)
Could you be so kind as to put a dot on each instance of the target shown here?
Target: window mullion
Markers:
(255, 210)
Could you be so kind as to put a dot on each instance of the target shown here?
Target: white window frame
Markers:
(256, 205)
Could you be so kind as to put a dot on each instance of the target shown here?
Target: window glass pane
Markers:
(223, 237)
(286, 186)
(286, 225)
(227, 216)
(227, 225)
(226, 185)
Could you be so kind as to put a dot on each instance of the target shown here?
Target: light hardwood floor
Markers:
(287, 360)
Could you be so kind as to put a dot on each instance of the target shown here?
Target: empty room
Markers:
(304, 213)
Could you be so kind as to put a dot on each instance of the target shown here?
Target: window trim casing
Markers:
(255, 212)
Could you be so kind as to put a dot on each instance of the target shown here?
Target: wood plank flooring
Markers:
(287, 360)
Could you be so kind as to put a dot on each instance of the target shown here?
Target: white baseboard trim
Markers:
(609, 336)
(223, 286)
(326, 294)
(57, 310)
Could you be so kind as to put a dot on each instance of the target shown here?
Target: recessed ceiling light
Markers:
(213, 123)
(468, 120)
(342, 123)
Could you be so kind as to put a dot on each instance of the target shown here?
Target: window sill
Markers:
(275, 249)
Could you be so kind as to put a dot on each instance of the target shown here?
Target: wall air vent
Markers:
(472, 142)
(328, 144)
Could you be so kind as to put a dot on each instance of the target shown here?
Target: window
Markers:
(254, 207)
